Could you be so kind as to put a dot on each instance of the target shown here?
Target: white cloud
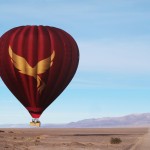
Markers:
(115, 55)
(112, 82)
(61, 10)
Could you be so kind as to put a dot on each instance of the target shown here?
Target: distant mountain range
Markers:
(133, 120)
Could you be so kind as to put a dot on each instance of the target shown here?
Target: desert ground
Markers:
(73, 139)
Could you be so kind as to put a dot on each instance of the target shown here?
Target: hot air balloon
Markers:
(37, 63)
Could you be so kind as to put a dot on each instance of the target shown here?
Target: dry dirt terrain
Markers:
(143, 143)
(72, 139)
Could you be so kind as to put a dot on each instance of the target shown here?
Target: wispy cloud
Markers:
(75, 11)
(110, 80)
(115, 55)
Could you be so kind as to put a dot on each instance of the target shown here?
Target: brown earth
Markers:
(72, 139)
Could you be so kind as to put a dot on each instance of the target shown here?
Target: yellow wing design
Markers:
(21, 64)
(44, 64)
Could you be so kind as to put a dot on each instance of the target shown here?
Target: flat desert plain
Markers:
(71, 139)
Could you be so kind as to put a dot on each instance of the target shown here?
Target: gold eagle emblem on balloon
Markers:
(23, 67)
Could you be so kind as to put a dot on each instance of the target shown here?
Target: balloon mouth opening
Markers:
(35, 112)
(35, 115)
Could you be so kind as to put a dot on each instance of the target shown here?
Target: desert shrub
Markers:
(37, 137)
(115, 140)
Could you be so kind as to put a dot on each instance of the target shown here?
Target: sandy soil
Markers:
(143, 143)
(70, 139)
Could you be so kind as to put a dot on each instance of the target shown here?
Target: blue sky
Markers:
(113, 78)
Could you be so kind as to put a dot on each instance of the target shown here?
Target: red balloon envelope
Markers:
(37, 63)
